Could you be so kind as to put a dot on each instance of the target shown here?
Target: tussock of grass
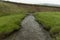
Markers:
(51, 20)
(10, 23)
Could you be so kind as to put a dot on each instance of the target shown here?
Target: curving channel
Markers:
(31, 30)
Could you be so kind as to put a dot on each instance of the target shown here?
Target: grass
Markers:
(10, 23)
(10, 9)
(51, 21)
(10, 18)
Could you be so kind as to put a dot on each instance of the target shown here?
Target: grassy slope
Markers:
(10, 17)
(51, 20)
(7, 9)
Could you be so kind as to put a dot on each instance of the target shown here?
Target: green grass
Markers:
(10, 23)
(10, 18)
(50, 20)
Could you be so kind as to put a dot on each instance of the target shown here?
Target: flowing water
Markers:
(31, 30)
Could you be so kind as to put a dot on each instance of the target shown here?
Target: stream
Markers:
(31, 30)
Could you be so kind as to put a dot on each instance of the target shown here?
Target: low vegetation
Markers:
(10, 9)
(10, 18)
(10, 23)
(51, 22)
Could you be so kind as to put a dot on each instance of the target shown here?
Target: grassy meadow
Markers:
(51, 22)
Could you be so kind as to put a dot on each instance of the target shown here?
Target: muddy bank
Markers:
(30, 30)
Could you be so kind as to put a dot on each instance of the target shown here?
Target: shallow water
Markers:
(30, 30)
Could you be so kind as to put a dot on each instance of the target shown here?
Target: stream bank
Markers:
(31, 30)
